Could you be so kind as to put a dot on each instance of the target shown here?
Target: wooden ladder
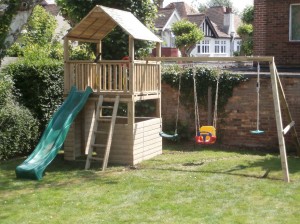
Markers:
(91, 144)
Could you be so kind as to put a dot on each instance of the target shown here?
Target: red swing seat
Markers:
(206, 135)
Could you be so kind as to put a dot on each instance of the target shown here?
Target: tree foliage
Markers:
(248, 15)
(187, 34)
(9, 11)
(40, 27)
(245, 31)
(115, 45)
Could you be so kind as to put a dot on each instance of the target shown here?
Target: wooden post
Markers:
(158, 101)
(209, 106)
(66, 66)
(278, 116)
(131, 65)
(131, 104)
(99, 51)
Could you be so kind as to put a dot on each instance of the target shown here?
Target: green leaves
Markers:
(187, 35)
(39, 86)
(18, 131)
(205, 77)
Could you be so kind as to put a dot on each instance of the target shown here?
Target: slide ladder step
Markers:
(91, 143)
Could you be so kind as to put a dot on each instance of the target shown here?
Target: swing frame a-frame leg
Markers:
(279, 125)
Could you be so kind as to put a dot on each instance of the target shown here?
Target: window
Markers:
(220, 46)
(295, 22)
(238, 46)
(203, 47)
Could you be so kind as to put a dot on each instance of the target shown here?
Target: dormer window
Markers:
(295, 22)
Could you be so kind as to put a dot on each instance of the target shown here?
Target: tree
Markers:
(37, 41)
(115, 45)
(187, 34)
(248, 15)
(13, 16)
(245, 31)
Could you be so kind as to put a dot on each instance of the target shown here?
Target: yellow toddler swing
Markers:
(205, 135)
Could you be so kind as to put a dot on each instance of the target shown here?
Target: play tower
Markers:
(131, 139)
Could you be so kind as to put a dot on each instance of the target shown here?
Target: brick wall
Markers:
(271, 32)
(239, 117)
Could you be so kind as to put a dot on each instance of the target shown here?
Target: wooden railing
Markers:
(113, 76)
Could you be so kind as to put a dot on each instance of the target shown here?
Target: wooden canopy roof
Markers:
(102, 20)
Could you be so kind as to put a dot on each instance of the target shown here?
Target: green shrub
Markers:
(39, 87)
(18, 131)
(6, 85)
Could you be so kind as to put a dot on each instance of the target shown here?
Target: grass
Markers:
(180, 186)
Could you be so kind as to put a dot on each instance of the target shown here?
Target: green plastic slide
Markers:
(54, 136)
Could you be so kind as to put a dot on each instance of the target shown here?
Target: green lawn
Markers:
(180, 186)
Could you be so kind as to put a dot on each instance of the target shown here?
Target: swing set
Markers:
(207, 134)
(278, 99)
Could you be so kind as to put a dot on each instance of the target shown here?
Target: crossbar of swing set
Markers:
(211, 59)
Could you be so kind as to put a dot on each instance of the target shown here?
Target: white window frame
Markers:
(291, 23)
(203, 47)
(220, 46)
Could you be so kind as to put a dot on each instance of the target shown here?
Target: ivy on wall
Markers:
(205, 77)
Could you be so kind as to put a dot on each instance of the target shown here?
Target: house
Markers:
(217, 23)
(277, 31)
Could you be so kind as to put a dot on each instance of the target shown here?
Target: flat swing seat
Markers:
(206, 135)
(167, 136)
(257, 132)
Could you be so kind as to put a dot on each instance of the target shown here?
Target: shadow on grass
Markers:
(59, 173)
(267, 166)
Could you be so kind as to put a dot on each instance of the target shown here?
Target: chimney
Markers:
(229, 21)
(160, 4)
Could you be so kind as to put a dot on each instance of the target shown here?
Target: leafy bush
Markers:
(39, 87)
(15, 50)
(18, 131)
(5, 89)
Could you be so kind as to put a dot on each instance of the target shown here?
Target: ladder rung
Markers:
(100, 132)
(104, 119)
(98, 145)
(107, 107)
(97, 158)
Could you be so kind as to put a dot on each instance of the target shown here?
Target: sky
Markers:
(239, 4)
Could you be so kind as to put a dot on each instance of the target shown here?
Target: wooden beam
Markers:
(207, 59)
(278, 116)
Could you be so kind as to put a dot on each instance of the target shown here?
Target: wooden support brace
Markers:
(288, 127)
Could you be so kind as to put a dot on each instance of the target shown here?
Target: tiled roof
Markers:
(163, 16)
(196, 18)
(183, 9)
(216, 15)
